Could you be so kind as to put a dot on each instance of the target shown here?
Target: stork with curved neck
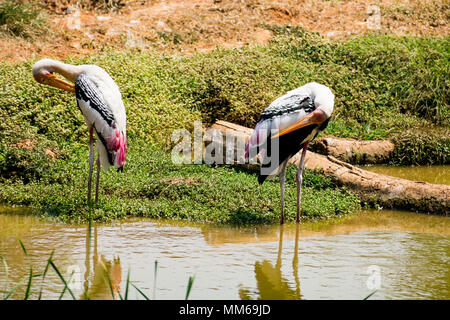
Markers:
(295, 118)
(100, 101)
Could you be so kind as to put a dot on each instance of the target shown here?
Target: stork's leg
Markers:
(97, 178)
(282, 181)
(299, 179)
(91, 162)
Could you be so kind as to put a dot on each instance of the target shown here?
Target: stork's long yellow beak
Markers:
(315, 117)
(53, 81)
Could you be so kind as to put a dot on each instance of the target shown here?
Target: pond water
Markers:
(438, 174)
(401, 255)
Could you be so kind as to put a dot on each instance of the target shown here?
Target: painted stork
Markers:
(100, 101)
(289, 123)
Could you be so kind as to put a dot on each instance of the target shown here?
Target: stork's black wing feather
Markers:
(86, 90)
(288, 145)
(288, 104)
(87, 93)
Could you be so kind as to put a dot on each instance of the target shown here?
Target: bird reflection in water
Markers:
(107, 275)
(271, 285)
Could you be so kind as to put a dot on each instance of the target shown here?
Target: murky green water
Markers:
(439, 174)
(406, 254)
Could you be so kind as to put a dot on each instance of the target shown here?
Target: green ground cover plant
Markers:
(385, 87)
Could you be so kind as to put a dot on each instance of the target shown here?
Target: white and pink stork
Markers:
(290, 123)
(100, 101)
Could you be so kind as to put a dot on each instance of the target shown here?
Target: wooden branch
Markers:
(354, 151)
(387, 191)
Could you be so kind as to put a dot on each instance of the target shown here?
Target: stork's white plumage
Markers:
(290, 123)
(100, 102)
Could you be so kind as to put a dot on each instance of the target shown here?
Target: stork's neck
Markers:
(323, 97)
(326, 105)
(68, 71)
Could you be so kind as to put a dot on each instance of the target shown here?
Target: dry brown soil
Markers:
(200, 25)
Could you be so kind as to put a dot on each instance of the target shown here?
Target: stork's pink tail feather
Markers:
(118, 143)
(255, 139)
(121, 155)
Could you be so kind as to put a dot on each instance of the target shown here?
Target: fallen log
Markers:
(354, 151)
(386, 191)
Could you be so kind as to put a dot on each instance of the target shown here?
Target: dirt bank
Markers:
(197, 25)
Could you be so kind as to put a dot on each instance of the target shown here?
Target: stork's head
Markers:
(325, 102)
(43, 72)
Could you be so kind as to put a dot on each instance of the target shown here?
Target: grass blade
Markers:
(189, 287)
(108, 283)
(62, 278)
(128, 284)
(23, 248)
(64, 289)
(13, 290)
(5, 265)
(30, 278)
(86, 296)
(366, 298)
(154, 279)
(44, 274)
(107, 279)
(138, 290)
